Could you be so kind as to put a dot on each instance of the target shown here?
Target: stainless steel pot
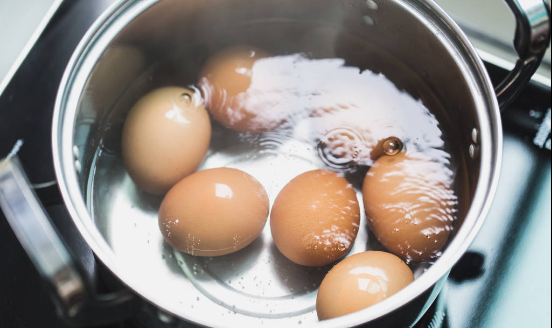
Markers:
(97, 88)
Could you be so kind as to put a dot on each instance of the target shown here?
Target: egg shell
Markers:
(165, 138)
(225, 81)
(360, 281)
(214, 212)
(315, 218)
(410, 205)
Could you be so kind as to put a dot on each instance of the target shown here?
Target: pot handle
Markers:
(72, 293)
(531, 41)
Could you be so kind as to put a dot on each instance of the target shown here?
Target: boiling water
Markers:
(338, 97)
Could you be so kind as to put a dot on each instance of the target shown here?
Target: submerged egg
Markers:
(234, 89)
(315, 218)
(361, 281)
(214, 212)
(410, 205)
(165, 138)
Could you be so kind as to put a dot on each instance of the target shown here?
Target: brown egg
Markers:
(361, 281)
(410, 205)
(214, 212)
(227, 80)
(315, 218)
(165, 138)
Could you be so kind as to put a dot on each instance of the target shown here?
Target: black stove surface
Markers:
(502, 282)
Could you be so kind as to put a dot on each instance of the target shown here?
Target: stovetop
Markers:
(503, 281)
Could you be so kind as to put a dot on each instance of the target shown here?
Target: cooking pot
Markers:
(166, 288)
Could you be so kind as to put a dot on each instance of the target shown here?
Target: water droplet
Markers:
(341, 247)
(78, 166)
(475, 135)
(372, 5)
(368, 20)
(473, 151)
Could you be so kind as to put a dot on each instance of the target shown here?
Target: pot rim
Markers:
(106, 27)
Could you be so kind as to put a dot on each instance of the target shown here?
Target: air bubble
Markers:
(392, 146)
(186, 98)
